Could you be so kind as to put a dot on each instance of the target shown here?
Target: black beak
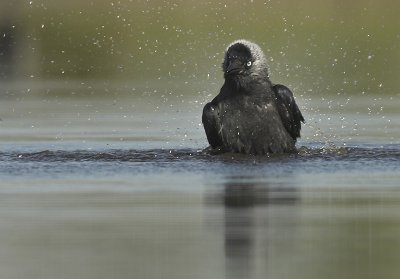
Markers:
(234, 67)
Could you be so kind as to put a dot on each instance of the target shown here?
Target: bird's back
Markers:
(250, 123)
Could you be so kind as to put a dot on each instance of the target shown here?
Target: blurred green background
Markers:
(321, 47)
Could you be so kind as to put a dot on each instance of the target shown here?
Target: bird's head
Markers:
(244, 61)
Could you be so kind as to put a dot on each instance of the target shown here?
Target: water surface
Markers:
(117, 188)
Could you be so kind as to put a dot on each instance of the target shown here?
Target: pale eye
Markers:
(248, 64)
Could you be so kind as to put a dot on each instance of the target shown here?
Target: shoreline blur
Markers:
(330, 47)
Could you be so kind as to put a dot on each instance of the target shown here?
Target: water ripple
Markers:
(171, 155)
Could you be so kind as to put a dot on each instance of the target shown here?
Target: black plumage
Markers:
(250, 114)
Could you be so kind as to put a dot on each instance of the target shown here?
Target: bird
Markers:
(251, 115)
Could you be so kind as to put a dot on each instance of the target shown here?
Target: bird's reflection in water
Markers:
(243, 203)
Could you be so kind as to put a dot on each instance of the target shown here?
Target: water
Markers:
(120, 188)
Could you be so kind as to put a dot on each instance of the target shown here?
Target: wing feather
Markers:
(211, 126)
(288, 110)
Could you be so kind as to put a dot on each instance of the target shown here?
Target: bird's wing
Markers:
(210, 123)
(288, 110)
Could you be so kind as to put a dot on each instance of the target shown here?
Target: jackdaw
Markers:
(250, 114)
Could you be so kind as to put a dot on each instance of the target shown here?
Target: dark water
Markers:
(181, 213)
(310, 160)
